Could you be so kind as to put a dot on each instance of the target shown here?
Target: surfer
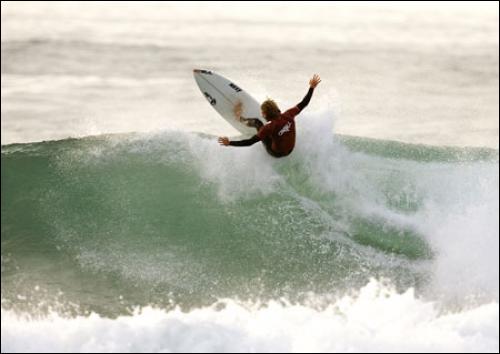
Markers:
(278, 135)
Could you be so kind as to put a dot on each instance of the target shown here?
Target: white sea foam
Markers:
(375, 319)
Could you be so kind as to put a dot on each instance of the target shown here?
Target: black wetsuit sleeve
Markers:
(246, 142)
(306, 99)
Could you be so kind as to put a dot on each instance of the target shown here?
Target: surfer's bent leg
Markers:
(253, 122)
(268, 143)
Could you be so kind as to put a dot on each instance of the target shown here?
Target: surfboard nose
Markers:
(202, 71)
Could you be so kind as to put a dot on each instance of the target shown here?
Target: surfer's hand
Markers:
(224, 141)
(314, 81)
(238, 108)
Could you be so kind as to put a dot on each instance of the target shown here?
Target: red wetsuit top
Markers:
(281, 132)
(278, 135)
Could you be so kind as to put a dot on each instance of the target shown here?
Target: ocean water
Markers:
(125, 227)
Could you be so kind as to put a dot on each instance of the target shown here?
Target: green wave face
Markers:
(106, 223)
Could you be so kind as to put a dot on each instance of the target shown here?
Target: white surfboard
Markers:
(223, 95)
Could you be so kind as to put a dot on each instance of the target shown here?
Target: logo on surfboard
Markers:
(210, 99)
(234, 87)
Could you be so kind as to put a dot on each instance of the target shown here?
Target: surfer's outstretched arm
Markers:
(312, 85)
(247, 142)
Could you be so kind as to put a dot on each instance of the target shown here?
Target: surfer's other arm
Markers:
(312, 85)
(247, 142)
(249, 122)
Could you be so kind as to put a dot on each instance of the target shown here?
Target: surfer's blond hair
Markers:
(270, 109)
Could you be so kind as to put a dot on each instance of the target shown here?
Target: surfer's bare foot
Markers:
(224, 141)
(238, 109)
